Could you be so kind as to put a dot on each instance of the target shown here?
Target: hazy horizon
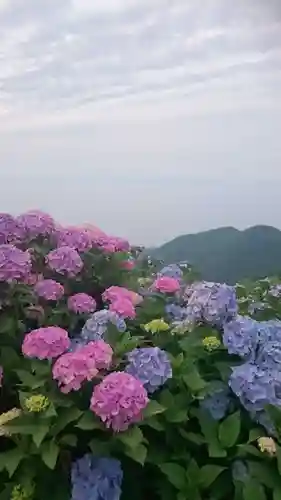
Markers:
(147, 119)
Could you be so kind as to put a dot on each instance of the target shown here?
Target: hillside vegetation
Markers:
(227, 254)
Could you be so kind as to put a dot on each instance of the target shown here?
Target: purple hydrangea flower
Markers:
(94, 478)
(77, 238)
(255, 387)
(151, 366)
(176, 312)
(241, 336)
(9, 229)
(36, 223)
(269, 356)
(81, 303)
(171, 271)
(270, 331)
(65, 260)
(212, 303)
(49, 289)
(96, 326)
(15, 264)
(217, 403)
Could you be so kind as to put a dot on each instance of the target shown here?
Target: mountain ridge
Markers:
(227, 254)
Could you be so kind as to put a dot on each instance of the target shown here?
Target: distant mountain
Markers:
(227, 254)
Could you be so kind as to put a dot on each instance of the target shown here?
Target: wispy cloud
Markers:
(57, 56)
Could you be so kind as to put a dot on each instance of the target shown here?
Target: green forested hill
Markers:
(227, 254)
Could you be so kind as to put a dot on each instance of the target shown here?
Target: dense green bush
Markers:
(119, 383)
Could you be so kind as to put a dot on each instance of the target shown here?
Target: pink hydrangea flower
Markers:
(49, 290)
(128, 264)
(123, 307)
(118, 292)
(81, 303)
(45, 343)
(10, 231)
(74, 237)
(15, 264)
(72, 369)
(65, 260)
(100, 352)
(119, 400)
(36, 223)
(166, 285)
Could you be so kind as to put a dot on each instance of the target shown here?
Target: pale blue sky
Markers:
(147, 118)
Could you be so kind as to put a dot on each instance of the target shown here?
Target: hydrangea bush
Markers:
(120, 380)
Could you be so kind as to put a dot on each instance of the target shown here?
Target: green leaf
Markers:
(175, 473)
(254, 434)
(265, 474)
(29, 380)
(49, 453)
(277, 494)
(65, 417)
(252, 490)
(40, 432)
(279, 460)
(229, 430)
(209, 428)
(193, 380)
(192, 437)
(132, 438)
(137, 454)
(153, 408)
(88, 422)
(11, 459)
(99, 448)
(175, 415)
(69, 440)
(209, 473)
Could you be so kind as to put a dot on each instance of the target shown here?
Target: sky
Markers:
(147, 118)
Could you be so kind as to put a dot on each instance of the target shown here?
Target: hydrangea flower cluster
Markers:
(213, 303)
(10, 231)
(73, 368)
(156, 325)
(96, 326)
(45, 343)
(96, 478)
(81, 303)
(217, 403)
(74, 237)
(165, 284)
(241, 336)
(151, 366)
(36, 403)
(122, 301)
(49, 289)
(171, 271)
(119, 400)
(15, 264)
(36, 223)
(275, 291)
(65, 260)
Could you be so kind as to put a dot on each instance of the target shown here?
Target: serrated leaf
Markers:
(132, 438)
(175, 473)
(65, 417)
(50, 453)
(153, 408)
(252, 490)
(229, 430)
(40, 432)
(209, 473)
(138, 454)
(88, 422)
(10, 460)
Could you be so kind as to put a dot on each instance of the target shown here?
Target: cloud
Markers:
(74, 56)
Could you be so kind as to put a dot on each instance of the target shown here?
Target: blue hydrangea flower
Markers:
(255, 387)
(96, 326)
(151, 366)
(213, 303)
(217, 403)
(270, 331)
(95, 478)
(171, 271)
(239, 471)
(241, 336)
(269, 356)
(176, 312)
